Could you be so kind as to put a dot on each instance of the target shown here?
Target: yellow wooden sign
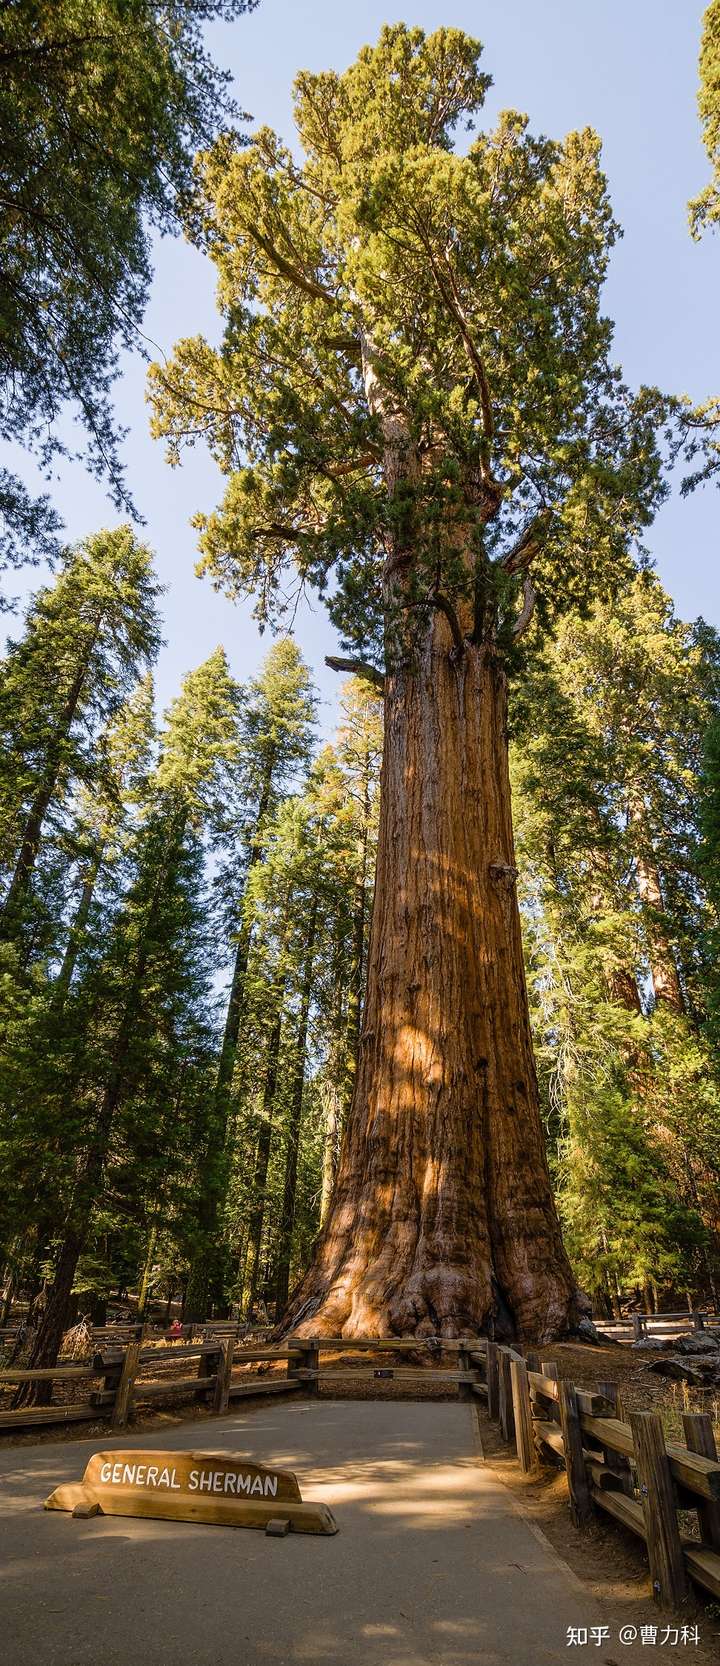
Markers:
(221, 1488)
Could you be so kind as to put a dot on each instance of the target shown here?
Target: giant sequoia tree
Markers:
(416, 407)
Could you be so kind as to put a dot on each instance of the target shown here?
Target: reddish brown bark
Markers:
(442, 1218)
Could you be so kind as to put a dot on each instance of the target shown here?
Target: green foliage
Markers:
(607, 755)
(102, 106)
(705, 209)
(414, 366)
(87, 636)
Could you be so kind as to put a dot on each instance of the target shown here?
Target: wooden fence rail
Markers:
(121, 1370)
(624, 1467)
(629, 1470)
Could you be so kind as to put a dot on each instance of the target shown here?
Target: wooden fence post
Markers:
(614, 1460)
(465, 1364)
(665, 1553)
(221, 1397)
(310, 1361)
(126, 1386)
(532, 1360)
(208, 1365)
(505, 1401)
(699, 1437)
(493, 1381)
(637, 1327)
(522, 1413)
(580, 1499)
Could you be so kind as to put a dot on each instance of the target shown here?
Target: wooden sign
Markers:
(221, 1488)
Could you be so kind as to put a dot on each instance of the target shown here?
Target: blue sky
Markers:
(627, 68)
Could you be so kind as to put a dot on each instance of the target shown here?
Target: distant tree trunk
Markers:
(262, 1156)
(287, 1218)
(666, 982)
(331, 1147)
(206, 1282)
(147, 1272)
(78, 929)
(88, 1181)
(443, 1217)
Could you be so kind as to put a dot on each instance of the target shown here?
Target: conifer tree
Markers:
(275, 745)
(705, 209)
(143, 1000)
(87, 638)
(102, 106)
(417, 375)
(608, 729)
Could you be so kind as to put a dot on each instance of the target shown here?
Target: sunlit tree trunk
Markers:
(287, 1218)
(666, 982)
(262, 1156)
(443, 1217)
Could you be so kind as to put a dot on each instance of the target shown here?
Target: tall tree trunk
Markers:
(48, 1340)
(287, 1218)
(331, 1147)
(206, 1282)
(262, 1157)
(78, 928)
(666, 982)
(120, 1081)
(443, 1217)
(147, 1273)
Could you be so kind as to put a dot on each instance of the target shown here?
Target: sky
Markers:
(625, 67)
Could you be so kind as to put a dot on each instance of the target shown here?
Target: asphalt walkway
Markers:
(433, 1564)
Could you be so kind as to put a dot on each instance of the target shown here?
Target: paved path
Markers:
(432, 1566)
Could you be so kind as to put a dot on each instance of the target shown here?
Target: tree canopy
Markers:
(705, 208)
(412, 339)
(103, 104)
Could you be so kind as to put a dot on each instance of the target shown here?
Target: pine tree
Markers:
(609, 732)
(102, 106)
(417, 372)
(87, 638)
(276, 740)
(142, 1001)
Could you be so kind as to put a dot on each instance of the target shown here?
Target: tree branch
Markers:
(529, 544)
(357, 668)
(444, 606)
(527, 610)
(294, 276)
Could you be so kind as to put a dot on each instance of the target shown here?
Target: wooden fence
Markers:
(121, 1370)
(624, 1468)
(634, 1327)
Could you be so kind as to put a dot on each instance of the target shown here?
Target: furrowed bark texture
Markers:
(443, 1219)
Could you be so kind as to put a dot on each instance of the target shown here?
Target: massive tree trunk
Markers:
(443, 1217)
